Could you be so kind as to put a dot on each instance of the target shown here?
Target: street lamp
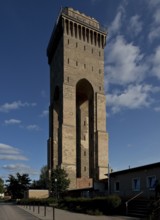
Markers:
(56, 187)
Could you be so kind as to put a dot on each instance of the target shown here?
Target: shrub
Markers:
(98, 205)
(35, 201)
(95, 206)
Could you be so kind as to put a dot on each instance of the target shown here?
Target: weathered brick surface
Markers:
(35, 193)
(78, 138)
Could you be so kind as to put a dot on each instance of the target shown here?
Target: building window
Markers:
(136, 184)
(99, 71)
(84, 153)
(84, 66)
(68, 60)
(68, 41)
(117, 186)
(76, 63)
(92, 50)
(92, 68)
(67, 78)
(151, 180)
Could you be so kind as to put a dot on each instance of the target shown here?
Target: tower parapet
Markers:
(80, 26)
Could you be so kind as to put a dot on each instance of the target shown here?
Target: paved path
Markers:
(12, 212)
(59, 214)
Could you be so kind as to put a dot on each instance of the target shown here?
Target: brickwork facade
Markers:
(78, 141)
(36, 193)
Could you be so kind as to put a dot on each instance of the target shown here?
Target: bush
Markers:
(35, 201)
(96, 206)
(113, 201)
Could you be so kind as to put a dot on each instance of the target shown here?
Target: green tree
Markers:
(43, 182)
(43, 179)
(17, 185)
(1, 185)
(59, 182)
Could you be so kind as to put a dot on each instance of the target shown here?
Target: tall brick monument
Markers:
(78, 141)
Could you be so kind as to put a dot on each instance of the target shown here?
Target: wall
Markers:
(133, 182)
(36, 193)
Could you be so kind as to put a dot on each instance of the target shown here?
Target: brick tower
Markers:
(78, 141)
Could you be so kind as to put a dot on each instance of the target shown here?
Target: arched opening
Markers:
(79, 31)
(103, 41)
(71, 29)
(95, 38)
(84, 129)
(87, 35)
(91, 36)
(56, 107)
(83, 33)
(66, 25)
(75, 30)
(99, 40)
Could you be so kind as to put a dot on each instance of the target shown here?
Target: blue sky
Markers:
(132, 77)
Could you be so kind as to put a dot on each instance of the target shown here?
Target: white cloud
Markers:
(155, 26)
(8, 152)
(33, 127)
(135, 25)
(44, 113)
(15, 105)
(14, 166)
(116, 24)
(133, 97)
(12, 157)
(21, 168)
(155, 61)
(157, 109)
(156, 16)
(154, 33)
(124, 62)
(12, 121)
(154, 3)
(7, 149)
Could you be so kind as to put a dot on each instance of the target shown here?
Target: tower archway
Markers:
(84, 129)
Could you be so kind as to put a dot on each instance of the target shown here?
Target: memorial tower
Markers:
(78, 141)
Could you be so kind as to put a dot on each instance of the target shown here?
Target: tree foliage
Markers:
(59, 181)
(1, 185)
(43, 182)
(17, 185)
